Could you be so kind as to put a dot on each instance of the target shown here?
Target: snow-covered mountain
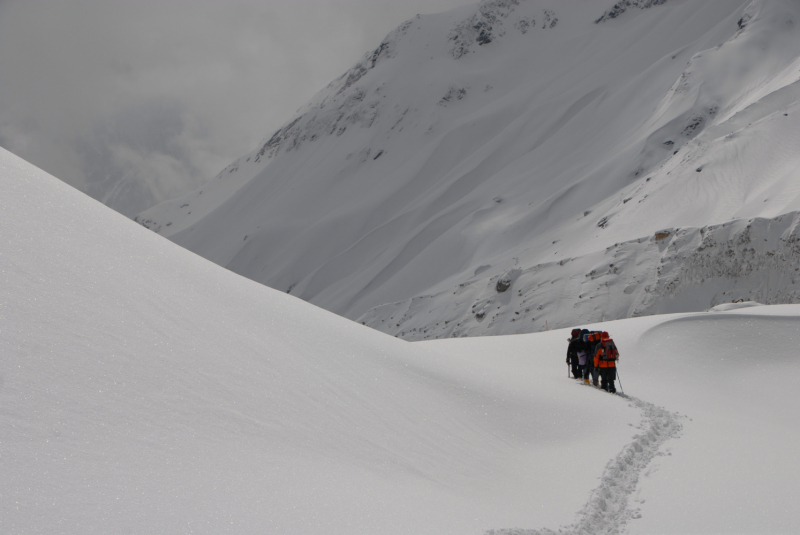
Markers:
(145, 390)
(524, 164)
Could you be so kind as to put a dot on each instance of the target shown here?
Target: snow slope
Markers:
(734, 470)
(146, 390)
(520, 139)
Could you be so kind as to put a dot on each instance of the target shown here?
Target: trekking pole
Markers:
(620, 381)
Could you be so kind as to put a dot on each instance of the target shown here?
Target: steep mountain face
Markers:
(525, 164)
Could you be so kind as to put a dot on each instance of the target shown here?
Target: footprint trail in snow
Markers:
(608, 510)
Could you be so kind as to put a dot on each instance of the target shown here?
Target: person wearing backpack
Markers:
(605, 360)
(593, 339)
(586, 336)
(584, 355)
(575, 346)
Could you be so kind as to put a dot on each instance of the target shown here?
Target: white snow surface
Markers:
(144, 389)
(602, 158)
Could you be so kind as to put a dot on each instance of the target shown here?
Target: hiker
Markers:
(575, 345)
(593, 340)
(585, 359)
(583, 354)
(605, 360)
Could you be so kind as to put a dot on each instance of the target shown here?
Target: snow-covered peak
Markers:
(510, 135)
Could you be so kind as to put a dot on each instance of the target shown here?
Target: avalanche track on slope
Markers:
(608, 509)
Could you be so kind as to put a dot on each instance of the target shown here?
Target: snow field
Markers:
(608, 509)
(719, 388)
(733, 376)
(146, 390)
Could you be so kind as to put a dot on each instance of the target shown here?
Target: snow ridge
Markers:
(331, 113)
(608, 509)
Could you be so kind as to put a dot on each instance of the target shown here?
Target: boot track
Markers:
(608, 510)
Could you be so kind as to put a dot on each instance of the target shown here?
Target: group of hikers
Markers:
(593, 354)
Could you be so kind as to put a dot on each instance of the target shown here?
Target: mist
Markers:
(139, 102)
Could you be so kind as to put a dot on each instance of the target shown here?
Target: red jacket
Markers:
(598, 363)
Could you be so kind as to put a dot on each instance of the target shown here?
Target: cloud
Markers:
(137, 102)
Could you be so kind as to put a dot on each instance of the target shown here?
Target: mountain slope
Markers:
(491, 141)
(146, 390)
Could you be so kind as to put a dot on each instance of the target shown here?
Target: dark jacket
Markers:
(575, 345)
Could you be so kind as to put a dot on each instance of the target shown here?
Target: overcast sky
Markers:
(134, 101)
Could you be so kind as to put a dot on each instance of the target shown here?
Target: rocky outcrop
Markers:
(491, 22)
(621, 7)
(675, 270)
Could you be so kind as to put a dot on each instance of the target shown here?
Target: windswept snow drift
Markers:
(733, 374)
(539, 141)
(146, 390)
